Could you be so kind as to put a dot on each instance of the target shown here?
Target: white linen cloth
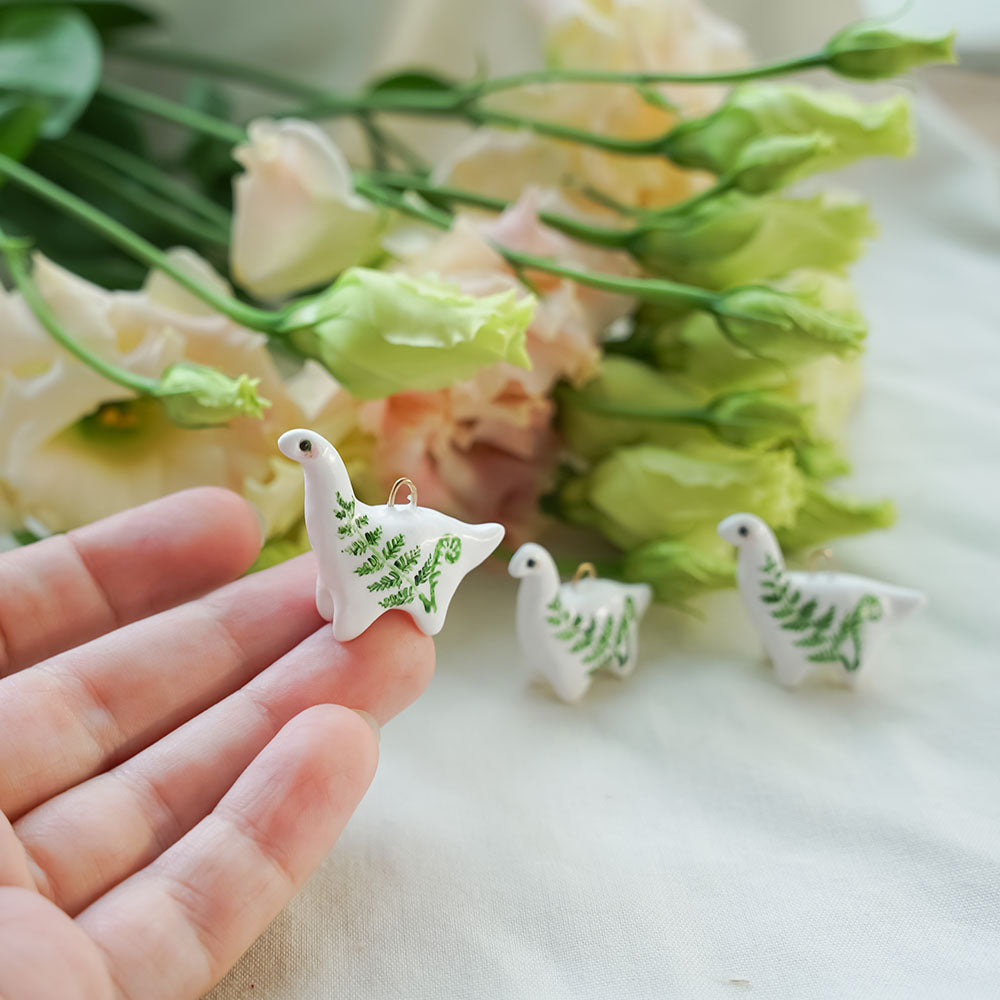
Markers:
(698, 831)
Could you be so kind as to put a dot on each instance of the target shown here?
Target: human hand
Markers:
(166, 786)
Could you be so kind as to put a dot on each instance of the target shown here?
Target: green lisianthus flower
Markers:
(736, 239)
(759, 111)
(196, 396)
(679, 569)
(629, 402)
(381, 332)
(712, 359)
(801, 318)
(870, 51)
(824, 515)
(643, 493)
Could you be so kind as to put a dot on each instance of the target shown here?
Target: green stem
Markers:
(151, 176)
(197, 121)
(15, 254)
(578, 229)
(657, 290)
(135, 246)
(639, 78)
(227, 69)
(568, 133)
(153, 205)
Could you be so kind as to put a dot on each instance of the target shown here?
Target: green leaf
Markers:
(108, 16)
(412, 79)
(210, 162)
(20, 124)
(52, 55)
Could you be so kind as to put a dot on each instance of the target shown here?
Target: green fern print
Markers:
(830, 640)
(595, 643)
(404, 578)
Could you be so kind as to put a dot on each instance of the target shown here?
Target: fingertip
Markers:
(408, 658)
(223, 515)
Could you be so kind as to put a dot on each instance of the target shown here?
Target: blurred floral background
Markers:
(604, 287)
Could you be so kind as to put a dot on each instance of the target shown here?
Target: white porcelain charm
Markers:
(372, 559)
(570, 630)
(806, 619)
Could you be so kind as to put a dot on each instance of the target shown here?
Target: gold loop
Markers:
(820, 554)
(584, 569)
(408, 483)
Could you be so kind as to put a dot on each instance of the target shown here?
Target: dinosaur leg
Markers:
(791, 670)
(622, 662)
(324, 602)
(570, 681)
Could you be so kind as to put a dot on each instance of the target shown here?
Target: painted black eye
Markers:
(530, 564)
(744, 530)
(305, 445)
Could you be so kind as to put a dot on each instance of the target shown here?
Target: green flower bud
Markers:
(735, 239)
(794, 325)
(757, 419)
(758, 111)
(644, 493)
(382, 332)
(869, 51)
(197, 396)
(681, 568)
(824, 515)
(631, 403)
(770, 163)
(628, 403)
(805, 369)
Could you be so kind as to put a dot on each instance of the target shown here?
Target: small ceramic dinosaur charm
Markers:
(806, 619)
(372, 559)
(570, 630)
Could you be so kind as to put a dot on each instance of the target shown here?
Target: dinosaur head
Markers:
(529, 559)
(744, 529)
(301, 445)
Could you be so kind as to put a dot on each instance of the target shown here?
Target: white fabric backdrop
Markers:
(699, 825)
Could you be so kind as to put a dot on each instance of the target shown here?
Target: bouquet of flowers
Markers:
(600, 305)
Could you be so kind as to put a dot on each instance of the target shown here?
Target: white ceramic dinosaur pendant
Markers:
(372, 559)
(806, 619)
(570, 630)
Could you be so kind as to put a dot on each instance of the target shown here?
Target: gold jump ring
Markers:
(397, 485)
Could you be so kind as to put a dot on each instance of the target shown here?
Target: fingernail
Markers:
(371, 720)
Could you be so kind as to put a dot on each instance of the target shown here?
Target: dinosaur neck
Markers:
(325, 477)
(753, 559)
(536, 591)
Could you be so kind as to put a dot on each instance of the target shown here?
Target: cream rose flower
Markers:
(61, 423)
(296, 221)
(615, 35)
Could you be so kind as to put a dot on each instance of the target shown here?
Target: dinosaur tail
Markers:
(901, 602)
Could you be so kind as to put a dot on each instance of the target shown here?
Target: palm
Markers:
(166, 787)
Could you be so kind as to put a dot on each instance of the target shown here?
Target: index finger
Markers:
(71, 588)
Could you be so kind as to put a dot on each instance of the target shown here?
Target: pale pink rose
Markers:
(485, 449)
